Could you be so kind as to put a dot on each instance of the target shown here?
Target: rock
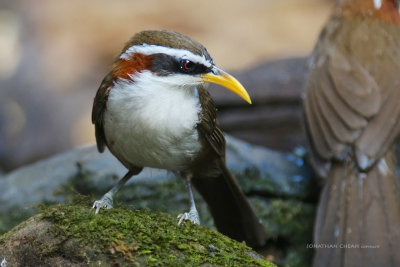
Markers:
(257, 169)
(274, 120)
(279, 186)
(72, 235)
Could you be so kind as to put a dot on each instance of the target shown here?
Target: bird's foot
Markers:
(106, 202)
(192, 216)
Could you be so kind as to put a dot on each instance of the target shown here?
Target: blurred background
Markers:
(54, 54)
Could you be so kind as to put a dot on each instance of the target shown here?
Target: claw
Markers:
(106, 202)
(192, 216)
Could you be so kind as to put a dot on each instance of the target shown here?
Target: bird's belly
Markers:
(150, 135)
(145, 148)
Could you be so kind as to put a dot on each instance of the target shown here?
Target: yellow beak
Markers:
(226, 80)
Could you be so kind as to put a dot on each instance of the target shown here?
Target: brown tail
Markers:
(358, 218)
(230, 209)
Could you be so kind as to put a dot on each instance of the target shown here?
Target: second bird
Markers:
(353, 119)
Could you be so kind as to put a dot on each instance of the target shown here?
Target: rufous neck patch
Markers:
(127, 68)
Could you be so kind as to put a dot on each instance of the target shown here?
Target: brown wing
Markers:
(209, 126)
(232, 213)
(347, 110)
(99, 106)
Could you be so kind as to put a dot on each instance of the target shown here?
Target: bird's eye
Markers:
(187, 65)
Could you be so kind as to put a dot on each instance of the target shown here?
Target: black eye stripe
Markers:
(163, 65)
(189, 67)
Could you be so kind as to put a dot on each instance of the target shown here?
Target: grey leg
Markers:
(192, 215)
(106, 202)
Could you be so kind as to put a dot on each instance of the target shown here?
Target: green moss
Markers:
(288, 223)
(144, 237)
(287, 219)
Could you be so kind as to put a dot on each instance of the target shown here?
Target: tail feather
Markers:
(232, 213)
(358, 218)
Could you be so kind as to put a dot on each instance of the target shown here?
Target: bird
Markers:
(153, 110)
(352, 120)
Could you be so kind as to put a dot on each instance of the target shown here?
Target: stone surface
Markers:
(279, 186)
(38, 182)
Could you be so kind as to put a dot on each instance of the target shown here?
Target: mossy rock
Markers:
(65, 235)
(279, 187)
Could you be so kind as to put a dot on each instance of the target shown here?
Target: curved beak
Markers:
(226, 80)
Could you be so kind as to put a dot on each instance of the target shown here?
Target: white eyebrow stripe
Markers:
(377, 4)
(147, 49)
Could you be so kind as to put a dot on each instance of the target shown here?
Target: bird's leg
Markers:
(192, 215)
(106, 202)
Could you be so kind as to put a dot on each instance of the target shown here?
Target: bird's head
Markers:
(171, 59)
(387, 4)
(386, 10)
(379, 3)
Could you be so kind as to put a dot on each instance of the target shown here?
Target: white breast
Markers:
(151, 124)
